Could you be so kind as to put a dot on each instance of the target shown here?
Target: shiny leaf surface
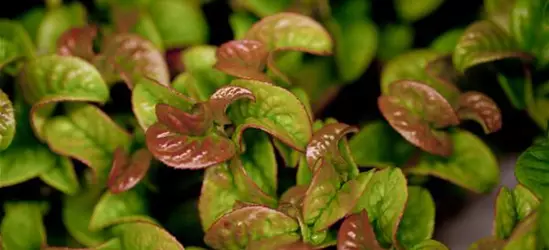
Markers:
(481, 108)
(126, 171)
(243, 58)
(7, 121)
(223, 97)
(356, 232)
(326, 141)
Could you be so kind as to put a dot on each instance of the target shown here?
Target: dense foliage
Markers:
(99, 111)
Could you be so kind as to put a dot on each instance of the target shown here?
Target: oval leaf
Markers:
(243, 58)
(238, 228)
(357, 233)
(326, 141)
(532, 168)
(23, 217)
(7, 121)
(145, 235)
(78, 42)
(62, 176)
(112, 209)
(418, 220)
(412, 11)
(188, 152)
(223, 97)
(126, 172)
(481, 108)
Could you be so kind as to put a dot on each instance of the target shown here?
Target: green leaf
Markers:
(113, 244)
(264, 8)
(447, 41)
(418, 220)
(15, 33)
(396, 39)
(384, 199)
(62, 176)
(275, 110)
(257, 221)
(240, 23)
(114, 208)
(147, 93)
(524, 237)
(136, 20)
(259, 161)
(22, 227)
(529, 23)
(179, 23)
(7, 121)
(378, 145)
(429, 245)
(484, 42)
(52, 78)
(56, 22)
(499, 12)
(325, 143)
(304, 173)
(472, 164)
(489, 243)
(94, 136)
(532, 167)
(199, 57)
(31, 21)
(412, 11)
(513, 87)
(24, 161)
(8, 52)
(476, 106)
(146, 236)
(512, 206)
(544, 222)
(356, 231)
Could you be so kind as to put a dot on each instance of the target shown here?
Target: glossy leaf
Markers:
(512, 206)
(56, 22)
(412, 10)
(411, 108)
(126, 171)
(62, 176)
(22, 226)
(145, 235)
(223, 97)
(472, 164)
(418, 220)
(15, 33)
(258, 222)
(430, 245)
(377, 144)
(532, 167)
(195, 123)
(77, 42)
(275, 110)
(481, 108)
(527, 22)
(243, 58)
(218, 194)
(384, 199)
(356, 232)
(147, 93)
(484, 42)
(114, 208)
(7, 121)
(133, 58)
(447, 41)
(543, 222)
(499, 12)
(259, 161)
(326, 141)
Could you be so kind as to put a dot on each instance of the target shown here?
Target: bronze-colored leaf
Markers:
(291, 201)
(179, 121)
(243, 58)
(416, 110)
(188, 152)
(223, 97)
(326, 141)
(126, 172)
(357, 233)
(481, 108)
(488, 243)
(77, 42)
(442, 70)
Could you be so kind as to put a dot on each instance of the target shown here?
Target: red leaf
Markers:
(325, 140)
(243, 58)
(77, 42)
(481, 108)
(223, 97)
(126, 172)
(182, 122)
(357, 233)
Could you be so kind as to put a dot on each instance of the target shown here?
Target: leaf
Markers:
(396, 39)
(147, 93)
(179, 23)
(199, 57)
(525, 235)
(489, 243)
(513, 86)
(384, 199)
(430, 245)
(378, 145)
(512, 206)
(481, 108)
(499, 12)
(472, 165)
(259, 161)
(136, 20)
(304, 173)
(145, 235)
(126, 171)
(531, 168)
(264, 8)
(447, 41)
(357, 233)
(22, 226)
(8, 52)
(243, 58)
(78, 42)
(223, 97)
(62, 176)
(484, 42)
(22, 162)
(56, 22)
(112, 208)
(275, 111)
(194, 124)
(236, 229)
(94, 136)
(248, 190)
(240, 23)
(133, 58)
(413, 11)
(410, 109)
(7, 121)
(325, 142)
(113, 244)
(53, 78)
(418, 221)
(543, 222)
(281, 242)
(15, 33)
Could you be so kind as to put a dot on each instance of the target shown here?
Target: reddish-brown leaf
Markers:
(442, 70)
(182, 122)
(357, 233)
(126, 172)
(325, 141)
(188, 152)
(223, 97)
(243, 58)
(481, 108)
(291, 201)
(77, 42)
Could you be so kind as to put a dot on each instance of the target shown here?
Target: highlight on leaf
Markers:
(7, 121)
(194, 124)
(223, 97)
(356, 232)
(326, 141)
(126, 171)
(78, 42)
(243, 58)
(481, 108)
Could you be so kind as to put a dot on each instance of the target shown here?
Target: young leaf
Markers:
(544, 222)
(356, 232)
(7, 121)
(112, 208)
(418, 220)
(136, 20)
(147, 93)
(384, 199)
(281, 242)
(275, 110)
(236, 229)
(78, 42)
(195, 124)
(126, 171)
(429, 245)
(145, 235)
(532, 167)
(378, 145)
(471, 165)
(412, 11)
(304, 173)
(249, 191)
(243, 58)
(259, 161)
(447, 41)
(8, 52)
(525, 235)
(326, 141)
(481, 108)
(56, 22)
(22, 226)
(411, 108)
(62, 176)
(396, 40)
(15, 33)
(223, 97)
(484, 42)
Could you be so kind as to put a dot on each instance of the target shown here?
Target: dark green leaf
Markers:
(532, 168)
(418, 220)
(513, 87)
(447, 41)
(529, 27)
(480, 108)
(114, 208)
(395, 40)
(15, 33)
(31, 20)
(56, 22)
(264, 8)
(544, 222)
(22, 227)
(412, 11)
(146, 236)
(62, 176)
(22, 162)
